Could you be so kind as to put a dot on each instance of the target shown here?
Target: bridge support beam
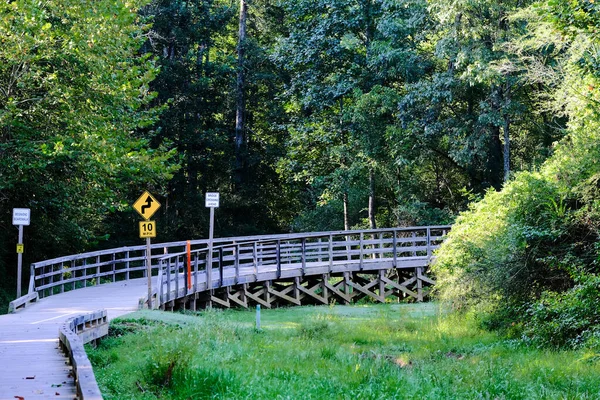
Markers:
(333, 287)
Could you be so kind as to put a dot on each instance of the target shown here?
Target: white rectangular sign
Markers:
(212, 200)
(21, 216)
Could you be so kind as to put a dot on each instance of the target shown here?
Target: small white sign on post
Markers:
(21, 216)
(212, 200)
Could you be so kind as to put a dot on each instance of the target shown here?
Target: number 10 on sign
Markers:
(147, 229)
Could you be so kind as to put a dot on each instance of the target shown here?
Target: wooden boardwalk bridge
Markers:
(292, 269)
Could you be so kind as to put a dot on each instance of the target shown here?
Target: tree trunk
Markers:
(506, 150)
(494, 161)
(346, 215)
(494, 177)
(240, 102)
(372, 222)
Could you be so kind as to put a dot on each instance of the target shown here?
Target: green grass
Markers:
(342, 352)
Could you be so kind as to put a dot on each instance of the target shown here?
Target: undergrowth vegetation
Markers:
(342, 352)
(525, 259)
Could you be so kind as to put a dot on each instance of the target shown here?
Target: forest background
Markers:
(306, 115)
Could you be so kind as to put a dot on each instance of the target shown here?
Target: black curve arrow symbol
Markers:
(147, 205)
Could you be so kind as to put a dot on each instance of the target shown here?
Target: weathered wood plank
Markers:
(29, 339)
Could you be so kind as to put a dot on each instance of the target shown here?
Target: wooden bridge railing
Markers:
(234, 256)
(71, 272)
(243, 261)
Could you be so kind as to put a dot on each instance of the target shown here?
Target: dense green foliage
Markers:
(73, 94)
(527, 256)
(356, 113)
(341, 352)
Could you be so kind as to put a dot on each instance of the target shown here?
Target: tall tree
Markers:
(190, 43)
(336, 52)
(471, 106)
(220, 114)
(74, 119)
(240, 101)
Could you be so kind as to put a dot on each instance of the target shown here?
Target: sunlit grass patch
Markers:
(342, 352)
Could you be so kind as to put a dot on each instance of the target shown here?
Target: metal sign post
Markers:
(146, 205)
(212, 202)
(149, 272)
(21, 217)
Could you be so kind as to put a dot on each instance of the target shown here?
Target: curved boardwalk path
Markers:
(31, 364)
(314, 268)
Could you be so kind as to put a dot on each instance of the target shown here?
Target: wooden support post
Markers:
(296, 290)
(267, 285)
(330, 253)
(303, 256)
(176, 276)
(348, 247)
(362, 238)
(74, 274)
(168, 280)
(97, 270)
(395, 249)
(237, 264)
(346, 286)
(320, 257)
(196, 273)
(278, 258)
(428, 244)
(113, 262)
(418, 273)
(255, 260)
(221, 266)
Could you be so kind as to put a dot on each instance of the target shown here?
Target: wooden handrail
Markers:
(297, 250)
(73, 334)
(81, 270)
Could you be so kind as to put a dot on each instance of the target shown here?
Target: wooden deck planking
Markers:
(29, 339)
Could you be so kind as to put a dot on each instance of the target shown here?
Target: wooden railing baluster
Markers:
(221, 265)
(168, 279)
(177, 268)
(278, 258)
(330, 253)
(237, 264)
(362, 238)
(255, 260)
(395, 248)
(195, 272)
(428, 243)
(303, 256)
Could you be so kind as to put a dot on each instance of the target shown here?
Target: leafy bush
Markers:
(571, 317)
(525, 257)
